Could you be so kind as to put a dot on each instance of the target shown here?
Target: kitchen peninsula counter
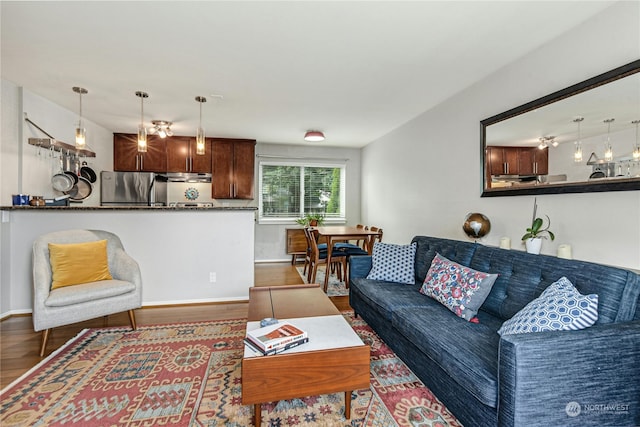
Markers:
(187, 255)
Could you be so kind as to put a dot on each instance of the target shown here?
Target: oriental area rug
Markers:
(335, 288)
(189, 374)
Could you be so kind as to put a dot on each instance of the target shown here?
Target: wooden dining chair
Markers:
(376, 237)
(318, 257)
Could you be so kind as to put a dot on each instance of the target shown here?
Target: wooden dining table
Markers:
(333, 234)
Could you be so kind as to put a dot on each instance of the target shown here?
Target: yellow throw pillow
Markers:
(76, 263)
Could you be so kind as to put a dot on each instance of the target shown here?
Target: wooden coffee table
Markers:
(335, 358)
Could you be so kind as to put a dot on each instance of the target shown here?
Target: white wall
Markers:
(270, 238)
(424, 177)
(176, 250)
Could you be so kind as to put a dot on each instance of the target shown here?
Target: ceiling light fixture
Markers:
(142, 131)
(636, 148)
(81, 132)
(608, 150)
(314, 136)
(577, 154)
(546, 140)
(200, 145)
(161, 127)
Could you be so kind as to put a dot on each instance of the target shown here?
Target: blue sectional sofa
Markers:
(553, 378)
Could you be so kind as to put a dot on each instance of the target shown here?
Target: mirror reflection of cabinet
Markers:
(525, 161)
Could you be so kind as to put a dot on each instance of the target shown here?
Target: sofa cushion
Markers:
(457, 251)
(467, 351)
(384, 297)
(560, 308)
(393, 263)
(461, 289)
(87, 292)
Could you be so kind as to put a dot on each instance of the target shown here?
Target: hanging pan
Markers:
(62, 181)
(81, 190)
(88, 173)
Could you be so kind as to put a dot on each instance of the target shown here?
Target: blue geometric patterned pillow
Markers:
(559, 308)
(393, 263)
(459, 288)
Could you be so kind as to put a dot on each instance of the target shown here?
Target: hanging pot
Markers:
(533, 245)
(88, 173)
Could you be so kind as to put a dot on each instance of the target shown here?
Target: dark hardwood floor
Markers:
(19, 344)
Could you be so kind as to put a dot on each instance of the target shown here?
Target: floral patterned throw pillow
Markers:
(461, 289)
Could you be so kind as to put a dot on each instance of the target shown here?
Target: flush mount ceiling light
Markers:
(142, 131)
(314, 136)
(161, 127)
(81, 132)
(200, 146)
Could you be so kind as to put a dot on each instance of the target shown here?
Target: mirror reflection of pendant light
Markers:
(636, 147)
(142, 131)
(543, 143)
(608, 151)
(577, 155)
(200, 140)
(81, 132)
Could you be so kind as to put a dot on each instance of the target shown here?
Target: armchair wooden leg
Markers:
(43, 342)
(132, 319)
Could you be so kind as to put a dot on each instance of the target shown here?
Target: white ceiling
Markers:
(352, 69)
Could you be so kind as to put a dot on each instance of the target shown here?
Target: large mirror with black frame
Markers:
(580, 139)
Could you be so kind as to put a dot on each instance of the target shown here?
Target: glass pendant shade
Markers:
(636, 147)
(81, 134)
(200, 138)
(142, 131)
(142, 138)
(608, 150)
(577, 155)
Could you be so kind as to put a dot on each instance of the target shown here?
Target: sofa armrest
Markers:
(571, 378)
(359, 266)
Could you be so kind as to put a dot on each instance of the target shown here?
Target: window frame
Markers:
(341, 219)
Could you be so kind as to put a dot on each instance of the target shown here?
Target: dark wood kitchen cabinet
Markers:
(533, 161)
(233, 168)
(503, 160)
(127, 159)
(182, 157)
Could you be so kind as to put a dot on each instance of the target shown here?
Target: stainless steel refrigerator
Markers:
(132, 189)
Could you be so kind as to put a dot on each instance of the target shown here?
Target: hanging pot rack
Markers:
(56, 145)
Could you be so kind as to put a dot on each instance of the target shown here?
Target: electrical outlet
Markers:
(212, 277)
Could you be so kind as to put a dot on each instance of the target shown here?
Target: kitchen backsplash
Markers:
(189, 192)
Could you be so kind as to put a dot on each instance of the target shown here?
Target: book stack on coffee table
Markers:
(276, 338)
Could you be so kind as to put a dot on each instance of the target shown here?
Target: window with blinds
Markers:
(290, 190)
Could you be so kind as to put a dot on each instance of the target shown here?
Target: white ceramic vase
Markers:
(533, 245)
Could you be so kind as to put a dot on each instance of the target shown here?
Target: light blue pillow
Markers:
(393, 263)
(559, 308)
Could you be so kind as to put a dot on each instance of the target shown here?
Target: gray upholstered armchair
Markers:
(77, 303)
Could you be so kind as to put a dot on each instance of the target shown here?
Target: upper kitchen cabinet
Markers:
(126, 157)
(182, 157)
(503, 160)
(233, 168)
(533, 161)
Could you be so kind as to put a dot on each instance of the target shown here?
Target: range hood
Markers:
(184, 177)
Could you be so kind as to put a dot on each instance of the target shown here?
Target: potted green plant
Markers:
(311, 220)
(534, 235)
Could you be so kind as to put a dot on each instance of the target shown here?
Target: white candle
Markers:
(564, 251)
(505, 243)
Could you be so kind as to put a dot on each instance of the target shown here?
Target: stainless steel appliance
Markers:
(132, 189)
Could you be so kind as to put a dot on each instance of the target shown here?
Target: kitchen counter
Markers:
(129, 208)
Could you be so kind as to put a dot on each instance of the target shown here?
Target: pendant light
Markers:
(142, 131)
(608, 150)
(636, 147)
(81, 132)
(200, 140)
(577, 155)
